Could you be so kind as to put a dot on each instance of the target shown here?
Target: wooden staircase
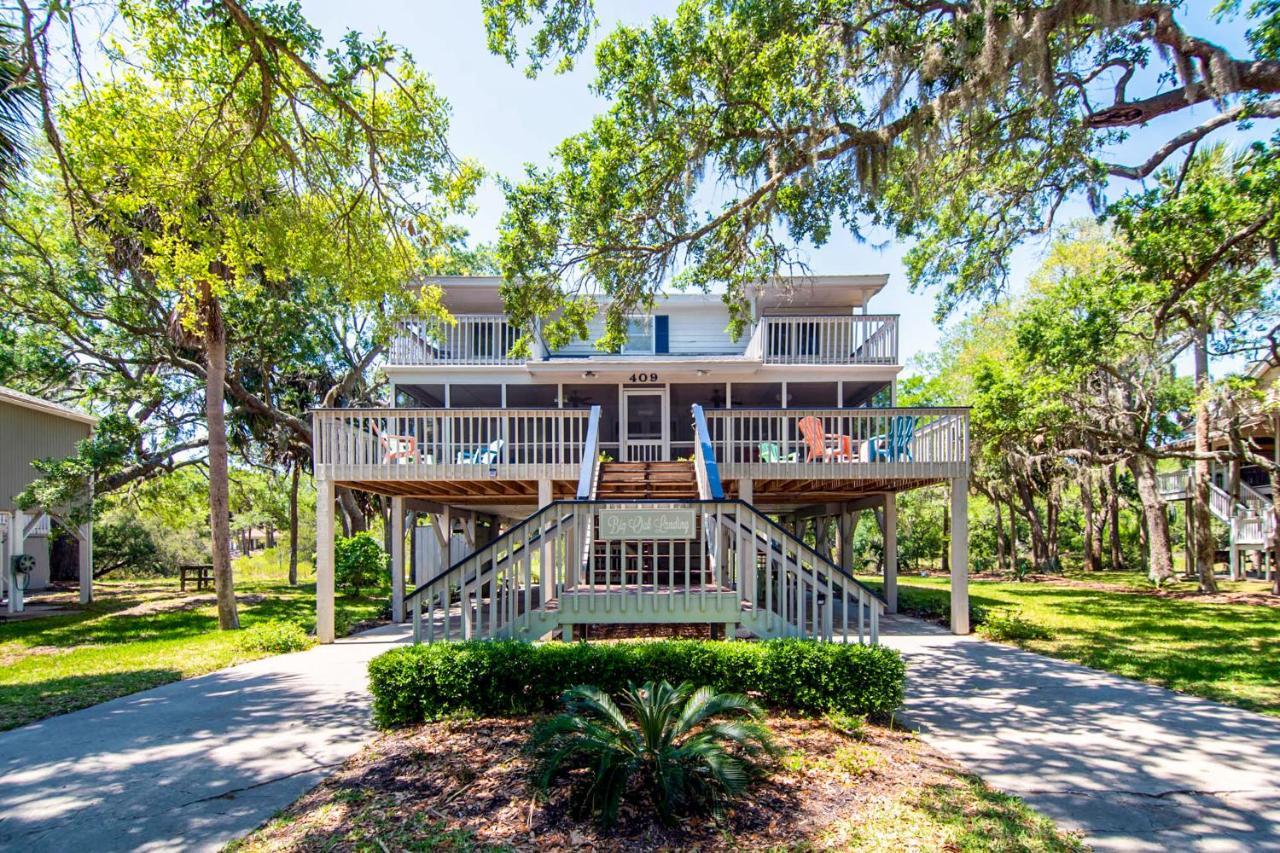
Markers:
(628, 481)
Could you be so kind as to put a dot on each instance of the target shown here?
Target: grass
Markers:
(961, 814)
(140, 634)
(1225, 652)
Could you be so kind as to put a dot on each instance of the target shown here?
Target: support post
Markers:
(960, 555)
(324, 560)
(746, 491)
(547, 555)
(890, 533)
(397, 559)
(85, 538)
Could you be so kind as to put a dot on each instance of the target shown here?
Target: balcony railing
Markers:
(442, 444)
(835, 339)
(840, 443)
(486, 339)
(471, 339)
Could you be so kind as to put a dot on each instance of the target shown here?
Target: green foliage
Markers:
(275, 638)
(850, 725)
(960, 126)
(123, 545)
(1008, 625)
(423, 682)
(358, 562)
(667, 743)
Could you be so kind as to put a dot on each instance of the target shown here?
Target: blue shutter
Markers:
(661, 334)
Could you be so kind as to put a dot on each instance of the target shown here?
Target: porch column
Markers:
(324, 560)
(397, 559)
(746, 490)
(960, 555)
(848, 521)
(17, 545)
(890, 533)
(547, 554)
(84, 536)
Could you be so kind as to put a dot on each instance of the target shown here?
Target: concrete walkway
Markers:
(190, 765)
(1133, 767)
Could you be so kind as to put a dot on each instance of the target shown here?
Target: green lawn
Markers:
(1226, 652)
(113, 647)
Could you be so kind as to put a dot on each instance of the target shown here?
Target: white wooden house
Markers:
(674, 481)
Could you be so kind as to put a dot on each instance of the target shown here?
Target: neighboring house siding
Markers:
(26, 435)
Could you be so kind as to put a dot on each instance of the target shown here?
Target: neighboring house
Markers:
(582, 488)
(33, 429)
(1243, 502)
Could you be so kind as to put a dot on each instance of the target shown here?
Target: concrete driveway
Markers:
(190, 765)
(1133, 767)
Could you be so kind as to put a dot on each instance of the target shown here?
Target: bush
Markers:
(358, 563)
(275, 638)
(1011, 626)
(417, 683)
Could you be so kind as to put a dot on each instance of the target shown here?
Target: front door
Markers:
(644, 425)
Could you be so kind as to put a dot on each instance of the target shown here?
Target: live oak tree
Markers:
(229, 156)
(736, 132)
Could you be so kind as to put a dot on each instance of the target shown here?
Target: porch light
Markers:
(587, 374)
(703, 371)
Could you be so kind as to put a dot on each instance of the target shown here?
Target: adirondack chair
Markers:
(396, 448)
(770, 452)
(482, 455)
(895, 445)
(815, 437)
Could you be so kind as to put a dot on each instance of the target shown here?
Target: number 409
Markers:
(644, 377)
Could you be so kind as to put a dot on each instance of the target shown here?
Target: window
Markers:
(639, 335)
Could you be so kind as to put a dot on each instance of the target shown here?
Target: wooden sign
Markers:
(647, 524)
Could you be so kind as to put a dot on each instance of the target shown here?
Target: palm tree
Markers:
(668, 744)
(17, 101)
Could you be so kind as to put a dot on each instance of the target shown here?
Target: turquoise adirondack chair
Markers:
(895, 446)
(770, 452)
(483, 455)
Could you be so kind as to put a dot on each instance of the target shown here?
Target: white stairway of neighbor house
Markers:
(689, 556)
(1249, 519)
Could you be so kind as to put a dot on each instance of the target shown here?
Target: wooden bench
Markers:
(201, 572)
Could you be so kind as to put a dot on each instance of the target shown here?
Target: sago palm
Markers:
(686, 749)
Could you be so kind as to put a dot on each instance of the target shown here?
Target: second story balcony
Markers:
(791, 339)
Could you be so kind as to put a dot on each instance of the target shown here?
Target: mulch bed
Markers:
(466, 783)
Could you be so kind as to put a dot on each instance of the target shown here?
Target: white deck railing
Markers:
(471, 339)
(840, 443)
(834, 339)
(448, 444)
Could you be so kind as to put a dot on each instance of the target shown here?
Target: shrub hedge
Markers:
(412, 684)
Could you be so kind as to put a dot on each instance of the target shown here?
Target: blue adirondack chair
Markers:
(895, 446)
(483, 455)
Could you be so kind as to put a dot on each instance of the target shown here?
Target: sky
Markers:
(505, 120)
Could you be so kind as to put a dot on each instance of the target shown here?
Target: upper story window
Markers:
(639, 336)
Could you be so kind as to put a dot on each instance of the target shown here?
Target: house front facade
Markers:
(688, 478)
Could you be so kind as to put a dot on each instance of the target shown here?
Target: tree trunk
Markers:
(946, 539)
(1205, 548)
(355, 520)
(1039, 548)
(293, 525)
(1052, 513)
(1001, 552)
(1092, 547)
(215, 335)
(1159, 553)
(1113, 518)
(1013, 538)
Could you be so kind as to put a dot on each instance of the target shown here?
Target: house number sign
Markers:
(647, 524)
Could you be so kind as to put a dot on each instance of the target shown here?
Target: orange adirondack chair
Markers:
(401, 448)
(815, 437)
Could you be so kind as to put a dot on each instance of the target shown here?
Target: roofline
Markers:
(874, 282)
(27, 401)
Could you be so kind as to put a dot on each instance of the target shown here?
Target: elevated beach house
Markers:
(690, 479)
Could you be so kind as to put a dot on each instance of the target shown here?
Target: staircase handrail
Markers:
(590, 456)
(488, 546)
(709, 487)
